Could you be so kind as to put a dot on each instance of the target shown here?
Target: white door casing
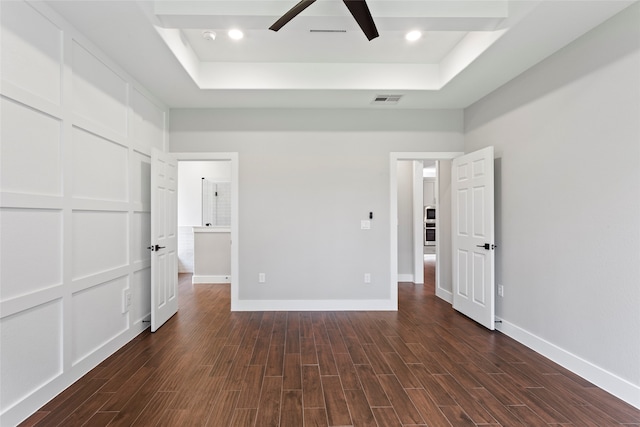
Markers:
(418, 222)
(394, 157)
(164, 230)
(472, 199)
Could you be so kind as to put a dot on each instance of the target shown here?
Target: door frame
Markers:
(394, 157)
(233, 157)
(418, 222)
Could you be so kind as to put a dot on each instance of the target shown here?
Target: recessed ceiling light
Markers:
(413, 35)
(236, 34)
(209, 35)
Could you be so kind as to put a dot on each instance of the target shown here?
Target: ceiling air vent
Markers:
(327, 31)
(386, 99)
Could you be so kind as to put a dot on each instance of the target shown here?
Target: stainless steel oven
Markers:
(429, 225)
(429, 214)
(430, 234)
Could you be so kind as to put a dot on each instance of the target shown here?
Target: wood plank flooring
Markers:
(424, 365)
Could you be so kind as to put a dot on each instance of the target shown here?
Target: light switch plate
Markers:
(365, 224)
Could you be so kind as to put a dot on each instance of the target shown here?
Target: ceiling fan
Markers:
(358, 9)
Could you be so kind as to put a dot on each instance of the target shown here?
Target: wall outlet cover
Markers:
(126, 300)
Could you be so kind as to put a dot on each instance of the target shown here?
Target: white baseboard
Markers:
(445, 295)
(607, 381)
(210, 279)
(405, 278)
(314, 305)
(21, 410)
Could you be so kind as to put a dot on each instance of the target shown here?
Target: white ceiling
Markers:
(324, 47)
(468, 48)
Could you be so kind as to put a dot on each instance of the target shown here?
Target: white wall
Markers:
(567, 140)
(429, 191)
(76, 137)
(307, 178)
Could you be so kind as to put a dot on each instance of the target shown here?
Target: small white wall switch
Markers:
(500, 290)
(365, 224)
(367, 277)
(262, 277)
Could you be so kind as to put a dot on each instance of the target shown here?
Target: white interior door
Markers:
(164, 229)
(473, 242)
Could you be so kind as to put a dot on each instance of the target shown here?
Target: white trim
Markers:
(418, 224)
(21, 410)
(316, 305)
(444, 294)
(393, 236)
(441, 293)
(607, 381)
(201, 279)
(406, 278)
(393, 206)
(235, 240)
(427, 155)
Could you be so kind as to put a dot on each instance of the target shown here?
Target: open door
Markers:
(473, 242)
(164, 228)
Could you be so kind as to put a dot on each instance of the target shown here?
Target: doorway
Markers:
(443, 264)
(430, 218)
(204, 220)
(231, 161)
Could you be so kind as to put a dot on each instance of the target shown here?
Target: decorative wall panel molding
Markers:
(31, 141)
(31, 54)
(99, 94)
(75, 206)
(31, 351)
(36, 263)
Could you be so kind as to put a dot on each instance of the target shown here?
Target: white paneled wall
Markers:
(76, 138)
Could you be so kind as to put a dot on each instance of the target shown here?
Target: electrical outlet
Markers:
(126, 300)
(262, 277)
(367, 277)
(500, 291)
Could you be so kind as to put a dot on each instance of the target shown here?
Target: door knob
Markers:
(155, 247)
(487, 246)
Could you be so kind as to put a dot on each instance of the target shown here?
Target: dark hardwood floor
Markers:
(422, 365)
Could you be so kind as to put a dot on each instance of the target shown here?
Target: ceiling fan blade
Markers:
(295, 10)
(360, 12)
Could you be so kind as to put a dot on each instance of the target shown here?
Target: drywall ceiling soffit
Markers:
(323, 48)
(467, 50)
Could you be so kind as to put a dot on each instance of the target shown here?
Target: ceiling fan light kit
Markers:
(358, 8)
